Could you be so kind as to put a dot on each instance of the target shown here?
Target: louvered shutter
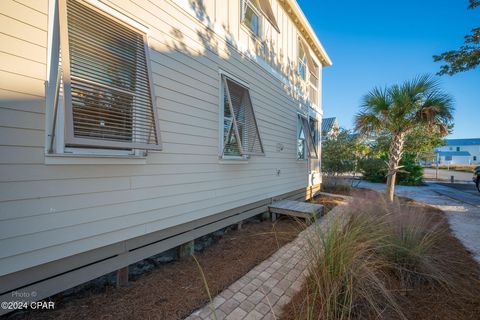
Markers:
(243, 131)
(107, 85)
(311, 147)
(311, 65)
(313, 125)
(268, 13)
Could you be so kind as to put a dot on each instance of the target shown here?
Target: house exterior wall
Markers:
(54, 207)
(455, 160)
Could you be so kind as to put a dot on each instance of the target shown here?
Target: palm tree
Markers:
(399, 109)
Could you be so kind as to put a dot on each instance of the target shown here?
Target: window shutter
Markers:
(268, 13)
(311, 64)
(243, 130)
(312, 148)
(243, 9)
(107, 85)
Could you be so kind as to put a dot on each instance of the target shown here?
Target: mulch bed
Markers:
(328, 202)
(174, 290)
(427, 301)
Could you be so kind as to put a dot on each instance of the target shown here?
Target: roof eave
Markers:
(307, 30)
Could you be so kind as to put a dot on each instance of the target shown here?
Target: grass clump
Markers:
(411, 246)
(367, 258)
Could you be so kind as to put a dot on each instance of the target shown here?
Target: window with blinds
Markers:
(106, 78)
(306, 139)
(241, 136)
(251, 10)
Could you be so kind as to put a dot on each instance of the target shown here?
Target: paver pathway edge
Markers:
(268, 287)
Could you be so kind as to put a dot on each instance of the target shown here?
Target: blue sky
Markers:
(381, 42)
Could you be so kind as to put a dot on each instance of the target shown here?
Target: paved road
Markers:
(429, 174)
(466, 192)
(460, 204)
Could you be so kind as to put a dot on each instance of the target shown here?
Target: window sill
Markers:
(91, 159)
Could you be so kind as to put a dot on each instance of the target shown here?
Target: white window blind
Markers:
(107, 83)
(241, 134)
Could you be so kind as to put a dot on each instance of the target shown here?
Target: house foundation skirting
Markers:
(45, 280)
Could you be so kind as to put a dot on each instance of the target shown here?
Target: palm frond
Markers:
(401, 107)
(367, 123)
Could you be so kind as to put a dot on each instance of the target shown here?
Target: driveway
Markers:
(466, 192)
(430, 174)
(460, 204)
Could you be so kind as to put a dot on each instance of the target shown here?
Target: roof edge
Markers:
(307, 30)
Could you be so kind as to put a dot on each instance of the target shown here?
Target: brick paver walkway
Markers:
(264, 290)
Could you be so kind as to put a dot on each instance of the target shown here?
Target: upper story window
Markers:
(241, 137)
(313, 85)
(253, 12)
(302, 61)
(105, 82)
(307, 138)
(308, 70)
(251, 17)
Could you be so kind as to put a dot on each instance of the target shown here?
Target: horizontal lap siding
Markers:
(50, 212)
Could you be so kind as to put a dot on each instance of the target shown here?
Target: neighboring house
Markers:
(330, 127)
(459, 151)
(131, 127)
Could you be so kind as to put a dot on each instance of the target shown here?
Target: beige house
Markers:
(131, 127)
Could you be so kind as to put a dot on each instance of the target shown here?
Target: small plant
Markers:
(346, 276)
(411, 247)
(368, 256)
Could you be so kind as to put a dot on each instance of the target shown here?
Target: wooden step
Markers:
(299, 209)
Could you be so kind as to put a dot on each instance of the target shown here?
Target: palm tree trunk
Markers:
(394, 155)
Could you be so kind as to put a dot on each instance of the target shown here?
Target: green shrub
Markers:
(340, 153)
(375, 170)
(411, 174)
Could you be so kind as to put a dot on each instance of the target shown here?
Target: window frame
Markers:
(315, 137)
(221, 118)
(297, 138)
(62, 120)
(315, 134)
(302, 62)
(314, 85)
(311, 70)
(223, 76)
(243, 9)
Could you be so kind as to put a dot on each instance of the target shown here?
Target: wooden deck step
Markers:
(298, 209)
